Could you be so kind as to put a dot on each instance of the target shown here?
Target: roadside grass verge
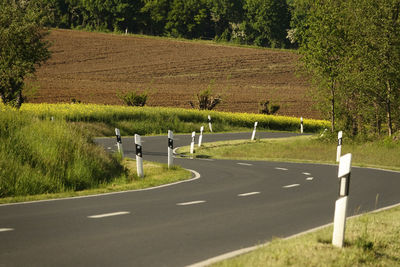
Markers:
(102, 119)
(383, 154)
(371, 240)
(42, 159)
(155, 174)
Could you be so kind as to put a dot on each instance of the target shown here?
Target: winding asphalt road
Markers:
(233, 205)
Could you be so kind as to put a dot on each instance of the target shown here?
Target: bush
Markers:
(268, 109)
(134, 99)
(206, 100)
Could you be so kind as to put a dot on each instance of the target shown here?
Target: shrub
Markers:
(268, 109)
(134, 99)
(206, 100)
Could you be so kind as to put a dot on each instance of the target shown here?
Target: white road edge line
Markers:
(249, 249)
(244, 164)
(195, 173)
(6, 229)
(191, 203)
(291, 185)
(282, 169)
(108, 215)
(248, 194)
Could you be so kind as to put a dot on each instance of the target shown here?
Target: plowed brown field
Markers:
(93, 67)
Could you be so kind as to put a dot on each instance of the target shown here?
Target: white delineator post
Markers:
(201, 135)
(254, 131)
(170, 148)
(209, 123)
(339, 146)
(301, 125)
(119, 142)
(192, 143)
(339, 221)
(139, 156)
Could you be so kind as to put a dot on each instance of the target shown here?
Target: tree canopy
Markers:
(260, 22)
(22, 47)
(351, 49)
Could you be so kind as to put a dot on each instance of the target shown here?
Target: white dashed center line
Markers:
(244, 164)
(108, 215)
(6, 229)
(191, 203)
(291, 185)
(248, 194)
(306, 173)
(310, 178)
(282, 169)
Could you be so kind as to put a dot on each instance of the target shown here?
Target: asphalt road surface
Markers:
(233, 205)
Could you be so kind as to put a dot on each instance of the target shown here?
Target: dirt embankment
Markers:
(94, 67)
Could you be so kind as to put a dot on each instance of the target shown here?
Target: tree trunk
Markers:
(388, 109)
(333, 109)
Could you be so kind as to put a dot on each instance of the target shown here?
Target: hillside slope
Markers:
(93, 67)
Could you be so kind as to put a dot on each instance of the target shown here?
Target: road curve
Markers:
(235, 204)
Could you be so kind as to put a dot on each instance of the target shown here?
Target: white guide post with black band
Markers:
(254, 131)
(170, 148)
(339, 146)
(139, 156)
(301, 125)
(209, 123)
(119, 142)
(192, 143)
(339, 221)
(201, 135)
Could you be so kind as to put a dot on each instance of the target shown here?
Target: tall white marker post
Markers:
(201, 135)
(339, 221)
(209, 123)
(192, 143)
(139, 155)
(301, 124)
(339, 146)
(254, 131)
(119, 142)
(170, 148)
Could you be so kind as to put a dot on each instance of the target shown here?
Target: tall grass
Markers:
(157, 120)
(38, 156)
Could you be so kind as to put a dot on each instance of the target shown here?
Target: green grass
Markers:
(382, 154)
(41, 159)
(371, 240)
(155, 174)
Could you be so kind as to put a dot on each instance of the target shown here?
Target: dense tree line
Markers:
(260, 22)
(351, 48)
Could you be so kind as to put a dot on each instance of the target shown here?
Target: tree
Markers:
(352, 51)
(189, 19)
(323, 42)
(268, 22)
(22, 47)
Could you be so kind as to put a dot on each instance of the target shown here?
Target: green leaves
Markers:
(22, 47)
(352, 51)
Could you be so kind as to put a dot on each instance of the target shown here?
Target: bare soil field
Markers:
(95, 67)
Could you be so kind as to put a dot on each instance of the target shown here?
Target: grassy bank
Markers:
(102, 119)
(155, 174)
(382, 154)
(41, 159)
(371, 240)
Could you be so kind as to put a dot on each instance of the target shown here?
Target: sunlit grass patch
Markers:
(371, 240)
